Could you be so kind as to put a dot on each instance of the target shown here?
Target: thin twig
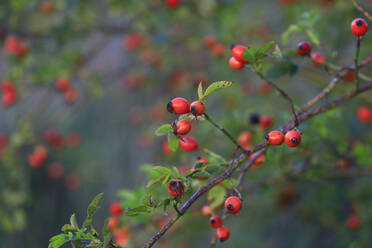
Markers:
(356, 65)
(362, 10)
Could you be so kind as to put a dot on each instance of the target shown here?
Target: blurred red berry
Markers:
(115, 208)
(364, 114)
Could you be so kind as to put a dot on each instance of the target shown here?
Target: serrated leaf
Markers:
(216, 86)
(217, 196)
(162, 170)
(137, 211)
(164, 129)
(155, 181)
(173, 142)
(200, 91)
(250, 54)
(313, 37)
(92, 209)
(58, 240)
(199, 165)
(176, 172)
(166, 179)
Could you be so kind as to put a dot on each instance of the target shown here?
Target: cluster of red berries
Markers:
(119, 232)
(292, 138)
(9, 96)
(181, 106)
(15, 46)
(237, 61)
(215, 47)
(56, 140)
(265, 121)
(70, 93)
(232, 205)
(304, 49)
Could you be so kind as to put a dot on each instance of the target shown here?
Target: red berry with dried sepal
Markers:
(303, 48)
(188, 144)
(183, 127)
(178, 106)
(233, 204)
(115, 208)
(216, 221)
(235, 64)
(197, 108)
(176, 188)
(237, 51)
(292, 138)
(359, 27)
(223, 233)
(275, 138)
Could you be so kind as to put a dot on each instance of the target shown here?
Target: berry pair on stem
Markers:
(237, 61)
(292, 138)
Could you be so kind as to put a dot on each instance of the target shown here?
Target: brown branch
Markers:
(235, 162)
(362, 10)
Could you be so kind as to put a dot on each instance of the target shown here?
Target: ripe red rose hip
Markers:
(178, 106)
(175, 188)
(359, 27)
(215, 221)
(233, 204)
(303, 48)
(266, 121)
(235, 64)
(364, 114)
(197, 108)
(237, 51)
(275, 138)
(223, 233)
(207, 210)
(292, 138)
(115, 208)
(183, 127)
(317, 59)
(188, 144)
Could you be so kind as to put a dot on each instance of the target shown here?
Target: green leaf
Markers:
(176, 172)
(137, 211)
(162, 170)
(265, 47)
(73, 221)
(216, 86)
(213, 169)
(313, 37)
(173, 142)
(200, 174)
(58, 240)
(217, 195)
(291, 30)
(308, 19)
(250, 54)
(277, 52)
(200, 91)
(155, 181)
(164, 129)
(68, 228)
(92, 209)
(165, 204)
(199, 165)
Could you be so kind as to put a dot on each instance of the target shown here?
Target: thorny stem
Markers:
(225, 132)
(235, 162)
(356, 65)
(282, 93)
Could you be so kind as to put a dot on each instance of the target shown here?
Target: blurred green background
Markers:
(126, 59)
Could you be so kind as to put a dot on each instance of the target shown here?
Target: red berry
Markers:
(172, 3)
(115, 208)
(233, 204)
(188, 143)
(166, 149)
(113, 222)
(9, 98)
(197, 108)
(183, 127)
(275, 138)
(266, 121)
(318, 59)
(259, 160)
(7, 86)
(353, 222)
(303, 48)
(364, 114)
(209, 41)
(359, 27)
(207, 210)
(178, 106)
(216, 221)
(218, 49)
(132, 42)
(46, 7)
(4, 140)
(292, 138)
(223, 233)
(175, 188)
(245, 138)
(235, 64)
(38, 156)
(237, 51)
(71, 95)
(55, 171)
(62, 84)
